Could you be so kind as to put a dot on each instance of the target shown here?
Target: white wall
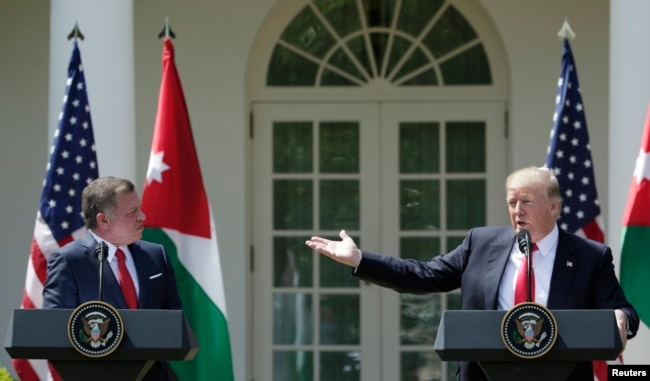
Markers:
(24, 68)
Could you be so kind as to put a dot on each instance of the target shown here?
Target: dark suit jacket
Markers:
(73, 279)
(583, 278)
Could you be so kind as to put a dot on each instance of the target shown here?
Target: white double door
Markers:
(394, 175)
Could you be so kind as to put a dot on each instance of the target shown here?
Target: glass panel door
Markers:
(315, 172)
(404, 179)
(443, 172)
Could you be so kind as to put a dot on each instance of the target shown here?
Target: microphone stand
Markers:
(99, 253)
(529, 270)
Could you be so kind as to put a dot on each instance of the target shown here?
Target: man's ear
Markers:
(102, 220)
(555, 209)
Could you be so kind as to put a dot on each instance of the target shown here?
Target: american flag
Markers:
(71, 166)
(569, 156)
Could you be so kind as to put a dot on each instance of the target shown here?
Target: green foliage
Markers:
(4, 374)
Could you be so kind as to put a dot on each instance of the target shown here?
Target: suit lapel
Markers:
(139, 259)
(499, 252)
(111, 291)
(564, 267)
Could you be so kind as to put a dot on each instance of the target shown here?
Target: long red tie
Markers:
(126, 282)
(522, 279)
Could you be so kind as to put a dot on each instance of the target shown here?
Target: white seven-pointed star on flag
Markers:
(156, 167)
(642, 167)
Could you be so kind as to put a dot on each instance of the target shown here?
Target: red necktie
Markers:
(126, 282)
(522, 279)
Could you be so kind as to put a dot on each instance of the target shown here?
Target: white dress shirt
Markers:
(112, 261)
(543, 260)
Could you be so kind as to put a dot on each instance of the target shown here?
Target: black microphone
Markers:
(525, 243)
(101, 252)
(523, 239)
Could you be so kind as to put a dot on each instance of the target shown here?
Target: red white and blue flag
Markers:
(71, 166)
(569, 156)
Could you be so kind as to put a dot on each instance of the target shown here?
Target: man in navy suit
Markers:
(571, 272)
(112, 213)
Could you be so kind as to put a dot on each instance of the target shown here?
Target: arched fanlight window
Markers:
(401, 42)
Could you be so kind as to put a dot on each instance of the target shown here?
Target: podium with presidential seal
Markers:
(96, 341)
(528, 341)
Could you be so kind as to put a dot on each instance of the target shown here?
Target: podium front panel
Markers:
(583, 335)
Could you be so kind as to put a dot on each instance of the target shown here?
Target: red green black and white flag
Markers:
(180, 218)
(635, 251)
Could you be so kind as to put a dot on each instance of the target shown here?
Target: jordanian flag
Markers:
(179, 217)
(635, 257)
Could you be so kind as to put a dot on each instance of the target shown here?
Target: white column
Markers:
(629, 101)
(107, 55)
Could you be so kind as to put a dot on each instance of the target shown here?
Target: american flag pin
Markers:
(569, 264)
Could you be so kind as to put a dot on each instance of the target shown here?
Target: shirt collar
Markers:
(111, 248)
(546, 244)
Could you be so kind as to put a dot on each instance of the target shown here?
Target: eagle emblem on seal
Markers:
(529, 330)
(96, 331)
(529, 327)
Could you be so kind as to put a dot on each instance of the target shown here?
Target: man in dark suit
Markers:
(111, 209)
(570, 272)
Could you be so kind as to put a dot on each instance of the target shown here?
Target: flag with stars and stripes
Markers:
(569, 156)
(71, 166)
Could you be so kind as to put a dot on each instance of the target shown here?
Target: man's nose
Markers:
(519, 207)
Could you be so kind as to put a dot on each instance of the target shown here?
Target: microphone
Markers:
(523, 239)
(525, 244)
(101, 253)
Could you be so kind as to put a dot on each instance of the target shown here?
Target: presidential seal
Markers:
(95, 329)
(529, 330)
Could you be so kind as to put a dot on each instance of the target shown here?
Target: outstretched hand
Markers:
(344, 251)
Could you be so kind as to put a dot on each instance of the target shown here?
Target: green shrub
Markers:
(4, 374)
